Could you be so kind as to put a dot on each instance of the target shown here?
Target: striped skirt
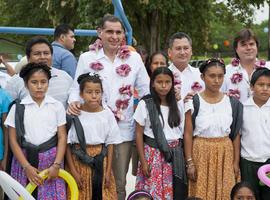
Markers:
(54, 189)
(86, 172)
(160, 182)
(213, 159)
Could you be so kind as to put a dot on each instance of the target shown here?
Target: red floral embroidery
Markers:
(118, 114)
(97, 45)
(236, 78)
(235, 62)
(123, 70)
(97, 66)
(234, 93)
(122, 104)
(196, 86)
(123, 52)
(127, 89)
(259, 64)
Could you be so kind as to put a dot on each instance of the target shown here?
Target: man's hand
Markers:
(74, 108)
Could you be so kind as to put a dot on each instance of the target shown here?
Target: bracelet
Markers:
(56, 163)
(188, 160)
(190, 165)
(25, 166)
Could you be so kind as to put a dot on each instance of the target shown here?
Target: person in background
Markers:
(64, 41)
(157, 59)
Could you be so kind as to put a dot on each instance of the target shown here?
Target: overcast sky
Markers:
(262, 13)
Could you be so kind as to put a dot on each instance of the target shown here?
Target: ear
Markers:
(81, 94)
(252, 88)
(99, 31)
(169, 53)
(62, 37)
(202, 77)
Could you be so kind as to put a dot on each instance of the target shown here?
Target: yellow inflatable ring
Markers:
(74, 192)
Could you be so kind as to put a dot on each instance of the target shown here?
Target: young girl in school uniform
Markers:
(211, 139)
(255, 132)
(158, 138)
(37, 135)
(90, 143)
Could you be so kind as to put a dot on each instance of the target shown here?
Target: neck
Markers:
(38, 100)
(87, 108)
(248, 64)
(259, 102)
(211, 94)
(163, 100)
(181, 66)
(110, 53)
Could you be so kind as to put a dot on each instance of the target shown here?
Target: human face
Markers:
(213, 78)
(112, 35)
(92, 94)
(180, 52)
(157, 61)
(261, 90)
(244, 194)
(247, 50)
(38, 85)
(162, 85)
(41, 53)
(69, 40)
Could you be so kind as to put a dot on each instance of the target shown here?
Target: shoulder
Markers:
(60, 73)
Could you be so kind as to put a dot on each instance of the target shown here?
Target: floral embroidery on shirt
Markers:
(97, 45)
(196, 86)
(126, 89)
(123, 70)
(236, 78)
(123, 52)
(97, 66)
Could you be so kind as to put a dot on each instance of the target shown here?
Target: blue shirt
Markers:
(5, 100)
(63, 59)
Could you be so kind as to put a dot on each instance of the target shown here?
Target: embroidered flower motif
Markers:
(123, 70)
(97, 45)
(259, 64)
(97, 66)
(235, 62)
(177, 82)
(236, 78)
(126, 90)
(196, 86)
(122, 104)
(123, 52)
(234, 93)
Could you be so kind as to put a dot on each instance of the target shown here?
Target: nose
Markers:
(163, 85)
(39, 85)
(94, 95)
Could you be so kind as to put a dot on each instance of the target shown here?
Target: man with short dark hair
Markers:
(39, 50)
(64, 40)
(120, 70)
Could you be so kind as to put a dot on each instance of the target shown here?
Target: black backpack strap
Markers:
(196, 106)
(237, 115)
(19, 120)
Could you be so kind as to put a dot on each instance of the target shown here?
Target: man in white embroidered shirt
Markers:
(187, 77)
(120, 70)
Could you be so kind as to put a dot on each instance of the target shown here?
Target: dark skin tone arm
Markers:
(188, 141)
(140, 148)
(109, 165)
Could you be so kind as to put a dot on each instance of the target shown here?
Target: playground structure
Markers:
(118, 11)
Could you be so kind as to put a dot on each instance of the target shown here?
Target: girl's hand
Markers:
(53, 171)
(32, 175)
(146, 169)
(107, 180)
(192, 173)
(236, 170)
(79, 179)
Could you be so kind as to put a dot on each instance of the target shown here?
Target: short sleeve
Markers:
(140, 114)
(114, 136)
(10, 120)
(189, 106)
(61, 114)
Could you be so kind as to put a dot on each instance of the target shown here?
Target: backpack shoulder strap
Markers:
(196, 106)
(19, 120)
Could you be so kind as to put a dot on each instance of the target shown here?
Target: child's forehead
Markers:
(90, 85)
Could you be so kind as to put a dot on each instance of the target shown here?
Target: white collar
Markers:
(28, 100)
(250, 102)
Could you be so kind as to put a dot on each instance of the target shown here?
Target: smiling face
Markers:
(157, 61)
(38, 85)
(180, 53)
(92, 95)
(213, 78)
(112, 35)
(41, 53)
(247, 50)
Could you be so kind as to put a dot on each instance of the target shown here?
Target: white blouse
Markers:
(141, 116)
(40, 122)
(213, 120)
(99, 127)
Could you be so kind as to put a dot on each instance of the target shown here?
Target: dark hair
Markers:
(174, 115)
(212, 62)
(262, 71)
(31, 68)
(62, 29)
(179, 35)
(36, 40)
(88, 77)
(139, 193)
(150, 60)
(110, 18)
(240, 185)
(243, 35)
